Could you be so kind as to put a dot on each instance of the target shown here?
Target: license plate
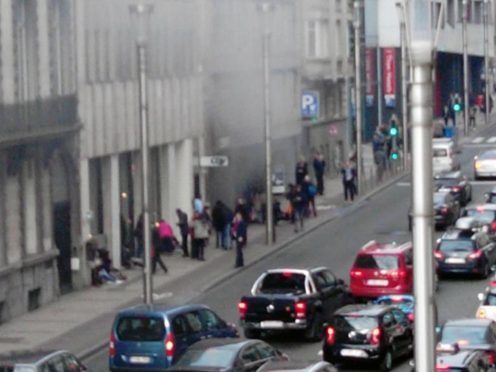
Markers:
(140, 359)
(378, 282)
(271, 324)
(455, 260)
(353, 353)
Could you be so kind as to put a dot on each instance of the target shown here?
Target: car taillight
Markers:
(456, 188)
(242, 308)
(301, 310)
(112, 350)
(411, 317)
(399, 274)
(475, 255)
(331, 336)
(442, 367)
(444, 210)
(493, 226)
(375, 338)
(491, 357)
(439, 255)
(170, 345)
(356, 274)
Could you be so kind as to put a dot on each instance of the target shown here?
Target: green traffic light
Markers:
(457, 107)
(395, 156)
(393, 131)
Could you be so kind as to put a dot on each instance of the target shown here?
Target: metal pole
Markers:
(143, 105)
(486, 60)
(465, 66)
(269, 220)
(421, 121)
(358, 95)
(404, 98)
(379, 85)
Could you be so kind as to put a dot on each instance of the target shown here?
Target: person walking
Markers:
(348, 173)
(184, 229)
(472, 115)
(241, 237)
(226, 235)
(299, 202)
(219, 223)
(166, 237)
(311, 190)
(200, 235)
(138, 234)
(301, 171)
(155, 250)
(319, 165)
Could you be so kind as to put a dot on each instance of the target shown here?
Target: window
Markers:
(266, 351)
(409, 258)
(136, 328)
(329, 277)
(399, 316)
(477, 12)
(180, 325)
(317, 38)
(382, 262)
(250, 354)
(194, 321)
(209, 320)
(388, 320)
(286, 282)
(450, 13)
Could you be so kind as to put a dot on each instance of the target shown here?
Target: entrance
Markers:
(62, 238)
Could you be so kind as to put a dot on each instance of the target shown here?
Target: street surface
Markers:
(384, 218)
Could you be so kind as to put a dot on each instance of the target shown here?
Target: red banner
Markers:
(389, 76)
(370, 72)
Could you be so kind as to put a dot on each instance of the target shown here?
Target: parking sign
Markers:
(310, 105)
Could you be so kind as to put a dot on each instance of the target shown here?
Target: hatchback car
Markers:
(446, 210)
(278, 366)
(462, 361)
(457, 184)
(368, 333)
(41, 361)
(485, 164)
(153, 338)
(381, 269)
(485, 214)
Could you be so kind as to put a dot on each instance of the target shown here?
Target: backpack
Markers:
(312, 190)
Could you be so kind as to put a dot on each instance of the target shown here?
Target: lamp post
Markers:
(358, 92)
(400, 7)
(486, 61)
(141, 12)
(465, 65)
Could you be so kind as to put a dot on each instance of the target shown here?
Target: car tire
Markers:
(486, 271)
(386, 363)
(252, 333)
(315, 332)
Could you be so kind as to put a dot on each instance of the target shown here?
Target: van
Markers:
(444, 158)
(152, 338)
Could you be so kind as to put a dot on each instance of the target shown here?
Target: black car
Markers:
(465, 251)
(368, 333)
(471, 334)
(41, 361)
(446, 210)
(462, 361)
(227, 356)
(457, 184)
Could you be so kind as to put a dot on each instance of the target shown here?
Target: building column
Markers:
(173, 182)
(111, 214)
(29, 209)
(164, 183)
(7, 83)
(184, 176)
(13, 220)
(85, 218)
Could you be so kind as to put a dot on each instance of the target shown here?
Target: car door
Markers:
(187, 329)
(403, 330)
(251, 358)
(338, 290)
(212, 325)
(324, 293)
(391, 333)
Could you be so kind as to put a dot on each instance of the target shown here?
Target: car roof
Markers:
(486, 206)
(159, 309)
(456, 234)
(296, 271)
(363, 310)
(29, 356)
(300, 366)
(459, 359)
(222, 343)
(384, 248)
(469, 322)
(448, 175)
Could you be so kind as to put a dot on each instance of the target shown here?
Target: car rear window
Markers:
(459, 245)
(464, 335)
(447, 181)
(481, 215)
(354, 323)
(139, 328)
(439, 153)
(212, 357)
(283, 282)
(18, 369)
(380, 261)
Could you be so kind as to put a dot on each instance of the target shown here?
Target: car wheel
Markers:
(316, 331)
(387, 362)
(251, 333)
(486, 271)
(476, 177)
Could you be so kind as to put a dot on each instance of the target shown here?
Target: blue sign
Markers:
(310, 105)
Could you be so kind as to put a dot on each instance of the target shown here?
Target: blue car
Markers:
(145, 338)
(402, 302)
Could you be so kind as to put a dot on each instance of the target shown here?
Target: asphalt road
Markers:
(383, 217)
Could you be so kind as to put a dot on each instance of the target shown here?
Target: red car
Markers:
(382, 269)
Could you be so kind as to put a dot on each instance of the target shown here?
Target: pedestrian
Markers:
(300, 204)
(219, 223)
(243, 208)
(446, 115)
(155, 250)
(198, 203)
(472, 114)
(166, 235)
(290, 195)
(138, 234)
(200, 235)
(241, 237)
(226, 236)
(184, 229)
(301, 171)
(311, 190)
(348, 173)
(319, 165)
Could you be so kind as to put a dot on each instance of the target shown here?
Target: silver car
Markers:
(485, 164)
(41, 361)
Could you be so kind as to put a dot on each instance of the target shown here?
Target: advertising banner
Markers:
(370, 76)
(389, 76)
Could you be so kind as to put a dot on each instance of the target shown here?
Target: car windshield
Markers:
(355, 323)
(438, 198)
(379, 261)
(23, 369)
(213, 357)
(459, 245)
(439, 153)
(139, 328)
(464, 335)
(482, 215)
(492, 198)
(488, 155)
(283, 283)
(490, 299)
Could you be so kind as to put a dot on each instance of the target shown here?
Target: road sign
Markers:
(214, 161)
(310, 103)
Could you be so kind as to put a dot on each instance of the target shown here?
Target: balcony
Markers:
(37, 121)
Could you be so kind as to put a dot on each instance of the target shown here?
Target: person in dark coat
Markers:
(138, 234)
(300, 201)
(319, 169)
(155, 251)
(241, 238)
(184, 229)
(219, 222)
(348, 173)
(301, 171)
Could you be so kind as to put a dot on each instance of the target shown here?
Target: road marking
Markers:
(491, 140)
(403, 184)
(478, 140)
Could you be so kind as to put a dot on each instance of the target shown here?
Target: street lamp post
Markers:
(141, 11)
(465, 65)
(486, 60)
(404, 83)
(358, 93)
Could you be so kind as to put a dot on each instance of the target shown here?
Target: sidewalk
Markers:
(56, 324)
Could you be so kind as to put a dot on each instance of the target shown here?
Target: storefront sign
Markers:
(370, 76)
(389, 76)
(310, 102)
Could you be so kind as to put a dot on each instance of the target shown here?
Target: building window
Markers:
(317, 39)
(477, 12)
(450, 12)
(460, 10)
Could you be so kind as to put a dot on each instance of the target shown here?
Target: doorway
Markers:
(62, 238)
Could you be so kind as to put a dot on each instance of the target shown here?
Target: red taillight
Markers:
(399, 274)
(112, 345)
(493, 226)
(356, 274)
(411, 317)
(242, 308)
(439, 255)
(375, 338)
(456, 188)
(475, 255)
(301, 310)
(444, 210)
(170, 345)
(442, 367)
(331, 336)
(491, 357)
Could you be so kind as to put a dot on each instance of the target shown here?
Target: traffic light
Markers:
(395, 155)
(457, 106)
(393, 131)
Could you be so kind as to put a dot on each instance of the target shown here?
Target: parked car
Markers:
(444, 157)
(371, 334)
(457, 184)
(382, 269)
(450, 358)
(41, 361)
(227, 356)
(153, 338)
(485, 214)
(292, 300)
(446, 210)
(278, 366)
(485, 164)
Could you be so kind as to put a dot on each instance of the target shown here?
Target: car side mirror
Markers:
(480, 296)
(438, 330)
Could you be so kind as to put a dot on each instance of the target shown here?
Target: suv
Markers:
(368, 333)
(154, 337)
(381, 269)
(465, 251)
(41, 361)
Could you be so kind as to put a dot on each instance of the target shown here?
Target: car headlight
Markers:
(477, 164)
(481, 313)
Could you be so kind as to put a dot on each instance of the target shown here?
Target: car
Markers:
(405, 303)
(465, 251)
(292, 366)
(457, 184)
(382, 269)
(485, 164)
(483, 213)
(487, 305)
(490, 197)
(371, 334)
(446, 210)
(154, 337)
(450, 358)
(470, 334)
(41, 361)
(444, 157)
(291, 299)
(227, 356)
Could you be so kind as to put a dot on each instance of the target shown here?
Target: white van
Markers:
(444, 158)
